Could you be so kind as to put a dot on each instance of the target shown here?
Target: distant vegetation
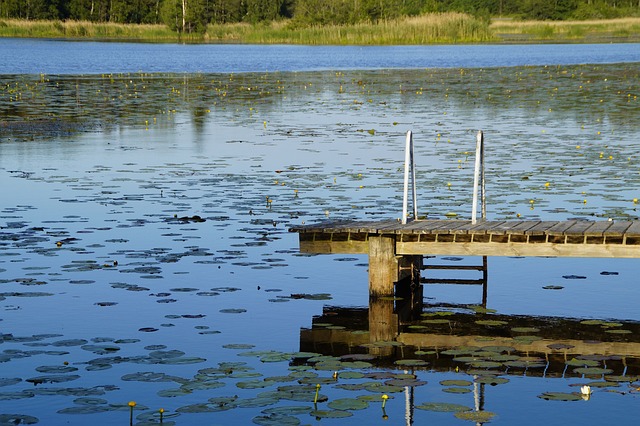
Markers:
(195, 16)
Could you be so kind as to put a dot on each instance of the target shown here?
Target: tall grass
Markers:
(425, 29)
(623, 29)
(431, 28)
(85, 30)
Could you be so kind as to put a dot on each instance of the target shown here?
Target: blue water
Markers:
(26, 56)
(206, 145)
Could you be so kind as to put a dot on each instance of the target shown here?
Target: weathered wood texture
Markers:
(571, 238)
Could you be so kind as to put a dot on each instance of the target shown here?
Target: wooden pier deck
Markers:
(570, 238)
(395, 250)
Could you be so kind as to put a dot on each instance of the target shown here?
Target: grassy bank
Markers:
(85, 30)
(624, 29)
(425, 29)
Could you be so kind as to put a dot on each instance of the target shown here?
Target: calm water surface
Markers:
(69, 57)
(111, 292)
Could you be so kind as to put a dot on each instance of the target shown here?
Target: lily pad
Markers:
(348, 404)
(456, 390)
(276, 420)
(17, 419)
(491, 323)
(411, 362)
(444, 407)
(456, 383)
(560, 396)
(330, 414)
(593, 371)
(475, 416)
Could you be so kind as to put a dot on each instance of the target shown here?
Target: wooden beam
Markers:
(518, 249)
(383, 265)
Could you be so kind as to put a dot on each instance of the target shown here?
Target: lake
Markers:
(145, 253)
(71, 57)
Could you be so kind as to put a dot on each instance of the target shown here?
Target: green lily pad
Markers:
(489, 380)
(405, 382)
(90, 401)
(255, 384)
(378, 388)
(9, 381)
(52, 379)
(276, 420)
(411, 362)
(350, 375)
(621, 378)
(592, 322)
(84, 409)
(527, 339)
(604, 384)
(475, 416)
(205, 408)
(259, 401)
(560, 396)
(574, 362)
(456, 383)
(443, 407)
(238, 346)
(485, 364)
(330, 414)
(435, 321)
(348, 404)
(456, 390)
(17, 419)
(292, 409)
(525, 330)
(593, 371)
(491, 323)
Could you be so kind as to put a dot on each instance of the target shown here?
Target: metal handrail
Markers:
(409, 167)
(478, 179)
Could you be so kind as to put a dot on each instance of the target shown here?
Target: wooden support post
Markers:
(383, 326)
(383, 265)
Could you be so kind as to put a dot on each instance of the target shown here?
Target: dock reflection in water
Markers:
(479, 344)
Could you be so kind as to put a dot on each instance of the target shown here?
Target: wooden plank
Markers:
(560, 227)
(618, 228)
(598, 229)
(439, 226)
(390, 226)
(518, 249)
(334, 247)
(452, 227)
(578, 228)
(541, 228)
(520, 227)
(633, 230)
(488, 227)
(416, 226)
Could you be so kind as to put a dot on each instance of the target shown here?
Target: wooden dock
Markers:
(395, 250)
(571, 238)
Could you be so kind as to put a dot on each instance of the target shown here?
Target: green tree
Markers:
(185, 16)
(263, 10)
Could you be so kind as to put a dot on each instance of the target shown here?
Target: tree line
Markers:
(189, 16)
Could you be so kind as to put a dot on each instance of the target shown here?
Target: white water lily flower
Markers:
(586, 392)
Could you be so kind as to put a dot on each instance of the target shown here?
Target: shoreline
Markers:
(425, 30)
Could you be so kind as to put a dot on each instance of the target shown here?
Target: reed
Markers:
(623, 29)
(85, 30)
(436, 28)
(425, 29)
